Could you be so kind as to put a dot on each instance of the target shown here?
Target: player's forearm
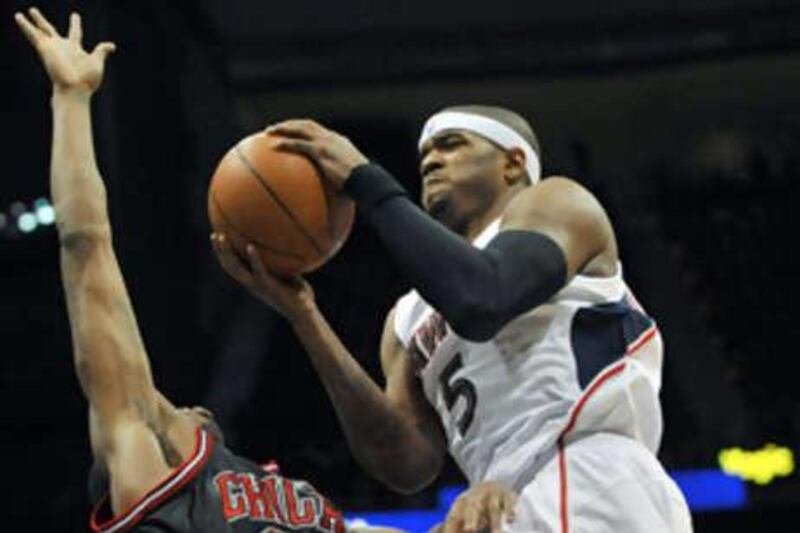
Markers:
(478, 291)
(77, 189)
(386, 444)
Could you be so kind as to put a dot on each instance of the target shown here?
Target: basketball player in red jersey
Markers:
(157, 467)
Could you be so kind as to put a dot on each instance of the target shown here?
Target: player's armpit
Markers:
(132, 455)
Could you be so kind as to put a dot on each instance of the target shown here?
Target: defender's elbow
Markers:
(79, 240)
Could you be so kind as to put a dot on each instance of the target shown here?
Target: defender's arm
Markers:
(126, 413)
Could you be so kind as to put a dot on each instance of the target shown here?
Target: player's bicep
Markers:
(566, 213)
(404, 388)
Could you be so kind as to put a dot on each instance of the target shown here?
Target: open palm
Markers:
(67, 63)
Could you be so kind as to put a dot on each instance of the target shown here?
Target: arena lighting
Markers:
(759, 466)
(705, 490)
(45, 214)
(19, 219)
(27, 222)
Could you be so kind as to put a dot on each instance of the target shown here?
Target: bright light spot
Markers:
(26, 222)
(40, 202)
(45, 214)
(759, 466)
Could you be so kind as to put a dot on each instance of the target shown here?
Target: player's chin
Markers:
(434, 202)
(439, 209)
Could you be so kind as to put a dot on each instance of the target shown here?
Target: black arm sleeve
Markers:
(476, 291)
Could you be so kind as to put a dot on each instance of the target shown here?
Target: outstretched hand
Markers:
(291, 297)
(69, 66)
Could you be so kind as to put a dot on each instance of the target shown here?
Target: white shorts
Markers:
(601, 483)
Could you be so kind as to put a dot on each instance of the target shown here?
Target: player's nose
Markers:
(429, 165)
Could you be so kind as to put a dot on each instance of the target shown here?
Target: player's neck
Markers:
(477, 225)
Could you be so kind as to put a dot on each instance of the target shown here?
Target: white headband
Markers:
(489, 128)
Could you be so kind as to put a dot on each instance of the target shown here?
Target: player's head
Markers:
(473, 157)
(205, 419)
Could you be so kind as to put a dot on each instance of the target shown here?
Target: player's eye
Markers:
(450, 142)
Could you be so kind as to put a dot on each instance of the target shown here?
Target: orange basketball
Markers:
(278, 202)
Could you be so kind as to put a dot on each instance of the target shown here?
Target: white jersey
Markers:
(586, 361)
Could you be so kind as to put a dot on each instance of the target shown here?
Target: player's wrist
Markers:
(304, 317)
(71, 95)
(369, 185)
(301, 313)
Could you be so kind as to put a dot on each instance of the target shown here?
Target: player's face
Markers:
(462, 176)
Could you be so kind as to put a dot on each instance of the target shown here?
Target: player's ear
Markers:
(514, 171)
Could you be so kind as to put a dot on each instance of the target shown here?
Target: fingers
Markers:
(510, 504)
(104, 49)
(230, 262)
(296, 129)
(41, 22)
(452, 523)
(267, 279)
(75, 33)
(33, 34)
(297, 146)
(257, 267)
(484, 506)
(496, 509)
(471, 518)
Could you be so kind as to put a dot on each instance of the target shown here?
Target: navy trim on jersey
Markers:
(601, 334)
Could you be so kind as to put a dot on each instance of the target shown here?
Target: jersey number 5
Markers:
(459, 387)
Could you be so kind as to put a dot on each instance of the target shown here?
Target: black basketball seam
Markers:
(246, 237)
(278, 200)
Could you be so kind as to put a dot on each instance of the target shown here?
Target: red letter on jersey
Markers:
(234, 504)
(298, 518)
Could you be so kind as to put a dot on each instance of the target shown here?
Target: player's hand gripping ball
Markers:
(278, 202)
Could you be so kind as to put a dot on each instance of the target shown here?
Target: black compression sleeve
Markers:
(476, 291)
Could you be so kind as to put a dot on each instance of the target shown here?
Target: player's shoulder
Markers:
(556, 198)
(560, 189)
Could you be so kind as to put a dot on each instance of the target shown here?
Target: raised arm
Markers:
(393, 433)
(126, 412)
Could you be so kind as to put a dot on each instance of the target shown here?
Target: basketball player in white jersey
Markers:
(521, 350)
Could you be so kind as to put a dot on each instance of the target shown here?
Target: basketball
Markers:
(279, 203)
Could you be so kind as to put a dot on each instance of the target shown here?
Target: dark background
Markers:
(682, 117)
